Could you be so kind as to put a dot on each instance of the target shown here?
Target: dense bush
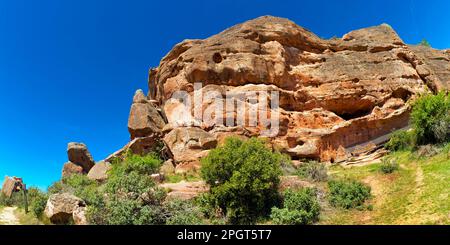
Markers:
(389, 165)
(431, 118)
(37, 200)
(183, 213)
(16, 199)
(312, 170)
(299, 208)
(401, 140)
(348, 194)
(130, 197)
(244, 178)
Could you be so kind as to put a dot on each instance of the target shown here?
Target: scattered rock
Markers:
(79, 154)
(100, 171)
(70, 168)
(65, 208)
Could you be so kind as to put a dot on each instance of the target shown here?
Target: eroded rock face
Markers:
(333, 94)
(64, 208)
(188, 144)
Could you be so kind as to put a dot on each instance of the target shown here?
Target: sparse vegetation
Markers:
(401, 140)
(244, 179)
(299, 208)
(348, 193)
(313, 170)
(389, 165)
(425, 43)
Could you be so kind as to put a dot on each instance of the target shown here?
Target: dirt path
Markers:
(7, 216)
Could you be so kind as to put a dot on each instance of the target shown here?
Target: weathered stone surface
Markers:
(185, 190)
(334, 94)
(79, 216)
(100, 171)
(10, 185)
(79, 154)
(144, 119)
(158, 178)
(140, 146)
(70, 168)
(433, 66)
(167, 167)
(63, 208)
(187, 144)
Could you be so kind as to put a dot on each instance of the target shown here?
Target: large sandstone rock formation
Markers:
(333, 94)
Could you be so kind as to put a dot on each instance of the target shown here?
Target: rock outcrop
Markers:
(99, 171)
(79, 154)
(333, 95)
(64, 208)
(144, 119)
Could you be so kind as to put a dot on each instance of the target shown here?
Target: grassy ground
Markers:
(26, 218)
(418, 193)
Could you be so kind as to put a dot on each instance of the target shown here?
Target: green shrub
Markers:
(16, 199)
(56, 187)
(401, 140)
(37, 200)
(425, 43)
(389, 165)
(183, 213)
(147, 164)
(299, 208)
(431, 118)
(348, 194)
(313, 170)
(244, 178)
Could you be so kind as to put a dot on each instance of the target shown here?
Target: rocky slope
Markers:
(333, 94)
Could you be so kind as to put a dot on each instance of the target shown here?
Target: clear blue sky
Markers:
(69, 69)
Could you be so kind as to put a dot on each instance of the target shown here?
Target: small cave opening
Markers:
(402, 93)
(347, 115)
(217, 58)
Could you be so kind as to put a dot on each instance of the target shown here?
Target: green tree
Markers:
(244, 179)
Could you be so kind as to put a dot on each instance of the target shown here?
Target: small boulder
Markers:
(100, 171)
(158, 178)
(167, 167)
(79, 154)
(64, 208)
(71, 168)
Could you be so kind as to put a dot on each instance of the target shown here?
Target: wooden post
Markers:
(25, 198)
